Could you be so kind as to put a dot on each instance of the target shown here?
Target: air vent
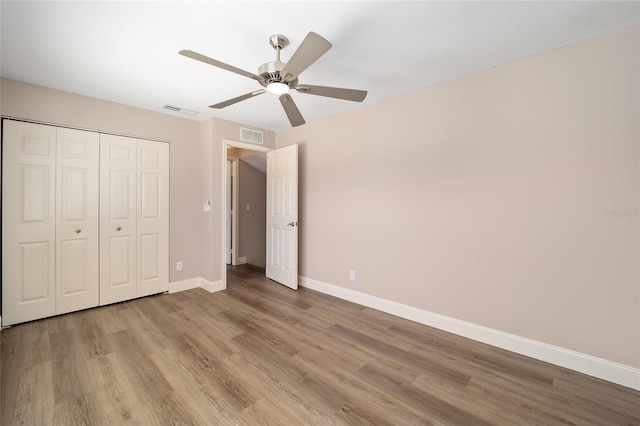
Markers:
(250, 135)
(180, 110)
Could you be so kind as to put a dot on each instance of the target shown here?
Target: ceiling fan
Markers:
(280, 77)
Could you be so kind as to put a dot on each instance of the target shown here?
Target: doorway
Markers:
(232, 197)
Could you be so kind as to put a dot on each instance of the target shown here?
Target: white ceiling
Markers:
(127, 52)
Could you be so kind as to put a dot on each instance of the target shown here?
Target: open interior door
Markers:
(282, 216)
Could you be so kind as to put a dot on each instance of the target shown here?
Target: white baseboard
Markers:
(184, 285)
(241, 260)
(613, 372)
(210, 286)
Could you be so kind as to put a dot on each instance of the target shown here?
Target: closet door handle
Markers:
(78, 231)
(118, 228)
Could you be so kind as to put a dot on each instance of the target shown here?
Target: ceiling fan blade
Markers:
(312, 47)
(333, 92)
(295, 118)
(207, 60)
(238, 99)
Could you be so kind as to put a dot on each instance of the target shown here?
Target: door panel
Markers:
(120, 266)
(74, 265)
(117, 219)
(153, 218)
(34, 191)
(150, 190)
(282, 216)
(120, 200)
(149, 267)
(28, 221)
(275, 256)
(77, 187)
(35, 281)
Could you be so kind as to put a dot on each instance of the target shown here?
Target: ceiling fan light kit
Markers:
(278, 88)
(279, 77)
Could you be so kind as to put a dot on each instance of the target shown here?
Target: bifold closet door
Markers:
(28, 222)
(134, 218)
(85, 220)
(117, 219)
(77, 186)
(153, 217)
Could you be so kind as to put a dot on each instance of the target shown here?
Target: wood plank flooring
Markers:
(261, 354)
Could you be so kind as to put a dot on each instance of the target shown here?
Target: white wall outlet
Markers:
(179, 266)
(352, 275)
(248, 207)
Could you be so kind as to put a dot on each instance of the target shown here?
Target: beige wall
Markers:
(507, 198)
(252, 225)
(195, 170)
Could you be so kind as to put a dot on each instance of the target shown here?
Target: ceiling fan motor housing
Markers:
(270, 72)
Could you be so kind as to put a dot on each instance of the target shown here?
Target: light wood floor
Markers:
(259, 353)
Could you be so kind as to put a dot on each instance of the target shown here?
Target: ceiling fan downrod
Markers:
(278, 42)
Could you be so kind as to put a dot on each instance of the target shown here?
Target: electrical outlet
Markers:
(352, 275)
(179, 266)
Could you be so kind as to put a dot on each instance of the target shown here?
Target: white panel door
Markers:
(282, 216)
(28, 221)
(77, 189)
(117, 219)
(153, 218)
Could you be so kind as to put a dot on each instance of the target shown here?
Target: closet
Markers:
(85, 219)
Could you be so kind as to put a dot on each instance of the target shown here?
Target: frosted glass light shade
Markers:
(278, 88)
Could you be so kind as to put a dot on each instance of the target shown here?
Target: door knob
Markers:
(118, 228)
(292, 224)
(78, 231)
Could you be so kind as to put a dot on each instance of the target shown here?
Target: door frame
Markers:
(231, 229)
(223, 199)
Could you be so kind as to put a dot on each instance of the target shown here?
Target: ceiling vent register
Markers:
(250, 135)
(180, 110)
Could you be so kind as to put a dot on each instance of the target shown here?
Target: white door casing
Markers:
(118, 232)
(77, 189)
(282, 216)
(28, 221)
(235, 193)
(229, 212)
(153, 217)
